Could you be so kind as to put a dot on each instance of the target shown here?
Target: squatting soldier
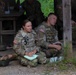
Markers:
(25, 44)
(47, 36)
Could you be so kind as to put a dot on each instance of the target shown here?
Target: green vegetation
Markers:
(47, 6)
(65, 64)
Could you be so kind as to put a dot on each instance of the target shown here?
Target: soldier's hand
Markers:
(15, 41)
(58, 47)
(34, 51)
(27, 53)
(31, 53)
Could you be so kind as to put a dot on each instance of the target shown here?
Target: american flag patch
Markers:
(42, 30)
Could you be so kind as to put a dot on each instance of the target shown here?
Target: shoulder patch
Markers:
(42, 30)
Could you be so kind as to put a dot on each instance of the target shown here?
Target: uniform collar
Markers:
(23, 33)
(45, 23)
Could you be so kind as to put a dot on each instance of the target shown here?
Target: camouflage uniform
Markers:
(26, 43)
(5, 60)
(47, 35)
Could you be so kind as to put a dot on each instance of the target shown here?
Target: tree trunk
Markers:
(67, 27)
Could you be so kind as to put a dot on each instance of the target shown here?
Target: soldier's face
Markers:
(28, 27)
(52, 19)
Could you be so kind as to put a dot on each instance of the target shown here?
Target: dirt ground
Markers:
(14, 68)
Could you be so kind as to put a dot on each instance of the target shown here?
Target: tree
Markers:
(67, 27)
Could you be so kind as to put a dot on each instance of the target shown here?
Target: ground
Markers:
(15, 68)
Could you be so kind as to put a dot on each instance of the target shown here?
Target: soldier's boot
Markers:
(42, 58)
(33, 63)
(3, 62)
(22, 61)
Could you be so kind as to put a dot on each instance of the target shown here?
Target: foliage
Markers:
(66, 63)
(47, 6)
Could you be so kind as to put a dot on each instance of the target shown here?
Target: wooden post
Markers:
(67, 27)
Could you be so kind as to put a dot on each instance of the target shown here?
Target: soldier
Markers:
(33, 11)
(25, 44)
(47, 37)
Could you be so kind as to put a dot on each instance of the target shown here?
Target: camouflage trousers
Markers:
(9, 57)
(5, 60)
(52, 52)
(40, 59)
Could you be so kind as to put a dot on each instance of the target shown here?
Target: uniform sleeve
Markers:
(42, 38)
(18, 47)
(56, 36)
(36, 41)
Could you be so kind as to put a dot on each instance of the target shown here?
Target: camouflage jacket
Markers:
(25, 42)
(46, 35)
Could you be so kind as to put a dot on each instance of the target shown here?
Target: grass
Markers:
(65, 64)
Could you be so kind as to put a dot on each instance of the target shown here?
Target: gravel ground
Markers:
(15, 68)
